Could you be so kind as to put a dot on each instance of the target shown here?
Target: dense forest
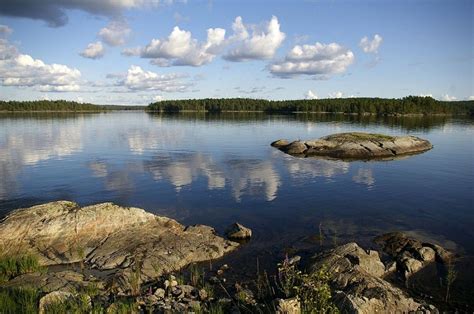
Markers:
(379, 106)
(48, 105)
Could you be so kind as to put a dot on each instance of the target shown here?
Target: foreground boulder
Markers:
(358, 282)
(356, 145)
(127, 244)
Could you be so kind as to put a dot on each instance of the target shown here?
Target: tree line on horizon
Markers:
(48, 105)
(379, 106)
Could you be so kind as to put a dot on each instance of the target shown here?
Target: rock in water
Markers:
(237, 231)
(280, 143)
(356, 145)
(410, 254)
(295, 148)
(110, 237)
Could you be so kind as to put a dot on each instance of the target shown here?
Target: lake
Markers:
(219, 168)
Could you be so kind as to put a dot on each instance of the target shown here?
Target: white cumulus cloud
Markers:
(337, 94)
(181, 49)
(138, 79)
(115, 33)
(311, 95)
(7, 51)
(447, 97)
(22, 70)
(319, 60)
(371, 46)
(94, 51)
(261, 44)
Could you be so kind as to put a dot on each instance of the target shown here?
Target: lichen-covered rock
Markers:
(107, 237)
(357, 145)
(359, 284)
(64, 280)
(52, 299)
(237, 231)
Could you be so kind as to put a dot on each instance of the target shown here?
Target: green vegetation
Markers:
(74, 305)
(378, 106)
(124, 307)
(216, 308)
(315, 293)
(15, 265)
(451, 275)
(196, 275)
(48, 105)
(18, 300)
(312, 289)
(357, 136)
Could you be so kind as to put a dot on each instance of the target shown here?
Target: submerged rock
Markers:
(410, 254)
(125, 243)
(237, 231)
(356, 145)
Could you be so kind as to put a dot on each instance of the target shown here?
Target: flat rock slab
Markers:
(107, 237)
(356, 145)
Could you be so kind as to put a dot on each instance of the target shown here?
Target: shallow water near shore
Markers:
(216, 169)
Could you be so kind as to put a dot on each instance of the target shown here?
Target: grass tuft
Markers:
(18, 300)
(12, 266)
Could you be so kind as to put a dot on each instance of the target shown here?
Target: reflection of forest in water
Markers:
(408, 122)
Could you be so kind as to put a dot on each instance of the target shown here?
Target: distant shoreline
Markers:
(242, 111)
(309, 112)
(407, 106)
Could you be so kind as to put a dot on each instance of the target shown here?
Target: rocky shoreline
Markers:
(355, 145)
(118, 243)
(107, 258)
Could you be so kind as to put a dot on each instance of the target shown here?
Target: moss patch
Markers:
(358, 136)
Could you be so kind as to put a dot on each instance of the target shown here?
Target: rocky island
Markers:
(355, 145)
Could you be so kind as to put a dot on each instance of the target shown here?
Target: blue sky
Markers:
(129, 51)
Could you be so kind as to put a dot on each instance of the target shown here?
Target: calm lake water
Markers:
(217, 169)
